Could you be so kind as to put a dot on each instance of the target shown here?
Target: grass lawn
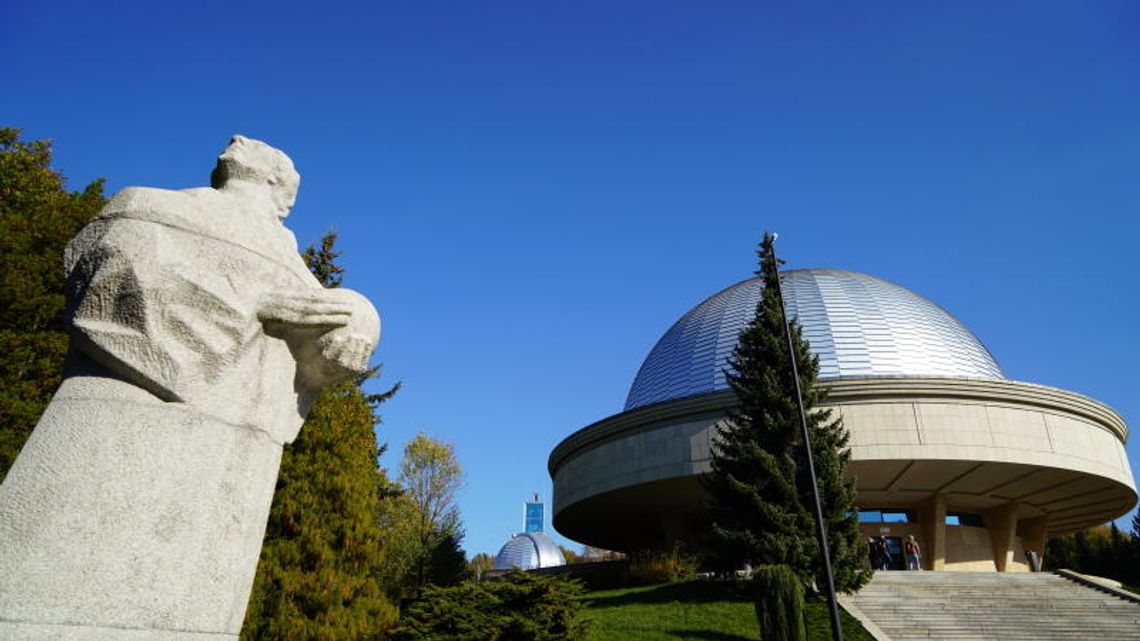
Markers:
(701, 610)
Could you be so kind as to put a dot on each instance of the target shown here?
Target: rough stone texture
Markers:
(198, 341)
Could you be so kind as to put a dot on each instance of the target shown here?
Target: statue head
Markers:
(253, 162)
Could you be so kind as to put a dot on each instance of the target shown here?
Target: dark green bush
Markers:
(515, 607)
(779, 595)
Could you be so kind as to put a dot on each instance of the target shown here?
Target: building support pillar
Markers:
(1032, 533)
(1002, 524)
(934, 524)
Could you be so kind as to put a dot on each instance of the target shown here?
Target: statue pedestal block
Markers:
(121, 516)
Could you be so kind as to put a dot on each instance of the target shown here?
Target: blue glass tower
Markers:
(533, 517)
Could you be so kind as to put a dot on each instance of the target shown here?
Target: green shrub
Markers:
(649, 567)
(779, 599)
(516, 607)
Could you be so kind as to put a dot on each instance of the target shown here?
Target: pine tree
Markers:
(831, 455)
(1085, 552)
(318, 574)
(1131, 552)
(38, 216)
(759, 478)
(322, 261)
(759, 518)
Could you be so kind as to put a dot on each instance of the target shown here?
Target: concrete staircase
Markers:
(990, 605)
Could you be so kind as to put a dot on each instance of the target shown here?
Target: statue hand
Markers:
(329, 354)
(348, 351)
(307, 310)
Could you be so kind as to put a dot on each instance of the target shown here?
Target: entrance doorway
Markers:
(894, 544)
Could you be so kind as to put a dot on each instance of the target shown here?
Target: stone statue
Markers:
(137, 508)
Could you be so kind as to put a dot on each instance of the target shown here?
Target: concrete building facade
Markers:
(981, 469)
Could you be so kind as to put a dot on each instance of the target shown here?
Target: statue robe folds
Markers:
(138, 506)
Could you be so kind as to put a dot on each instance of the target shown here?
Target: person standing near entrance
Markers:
(884, 553)
(913, 554)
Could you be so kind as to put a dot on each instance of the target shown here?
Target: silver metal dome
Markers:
(858, 326)
(529, 551)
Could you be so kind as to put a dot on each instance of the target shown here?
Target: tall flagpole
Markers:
(820, 528)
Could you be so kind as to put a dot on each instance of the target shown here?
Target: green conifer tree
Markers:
(317, 577)
(759, 481)
(38, 216)
(1132, 553)
(831, 455)
(779, 603)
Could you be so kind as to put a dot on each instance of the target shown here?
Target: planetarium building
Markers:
(980, 468)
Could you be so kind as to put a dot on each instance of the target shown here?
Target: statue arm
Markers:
(141, 310)
(332, 332)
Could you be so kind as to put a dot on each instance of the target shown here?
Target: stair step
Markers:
(979, 606)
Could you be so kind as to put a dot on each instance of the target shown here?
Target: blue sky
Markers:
(532, 192)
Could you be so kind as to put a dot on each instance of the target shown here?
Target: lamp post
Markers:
(820, 528)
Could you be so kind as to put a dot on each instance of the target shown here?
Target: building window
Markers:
(886, 515)
(968, 519)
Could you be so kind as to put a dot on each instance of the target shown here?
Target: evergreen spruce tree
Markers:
(317, 577)
(759, 478)
(1132, 553)
(831, 455)
(38, 216)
